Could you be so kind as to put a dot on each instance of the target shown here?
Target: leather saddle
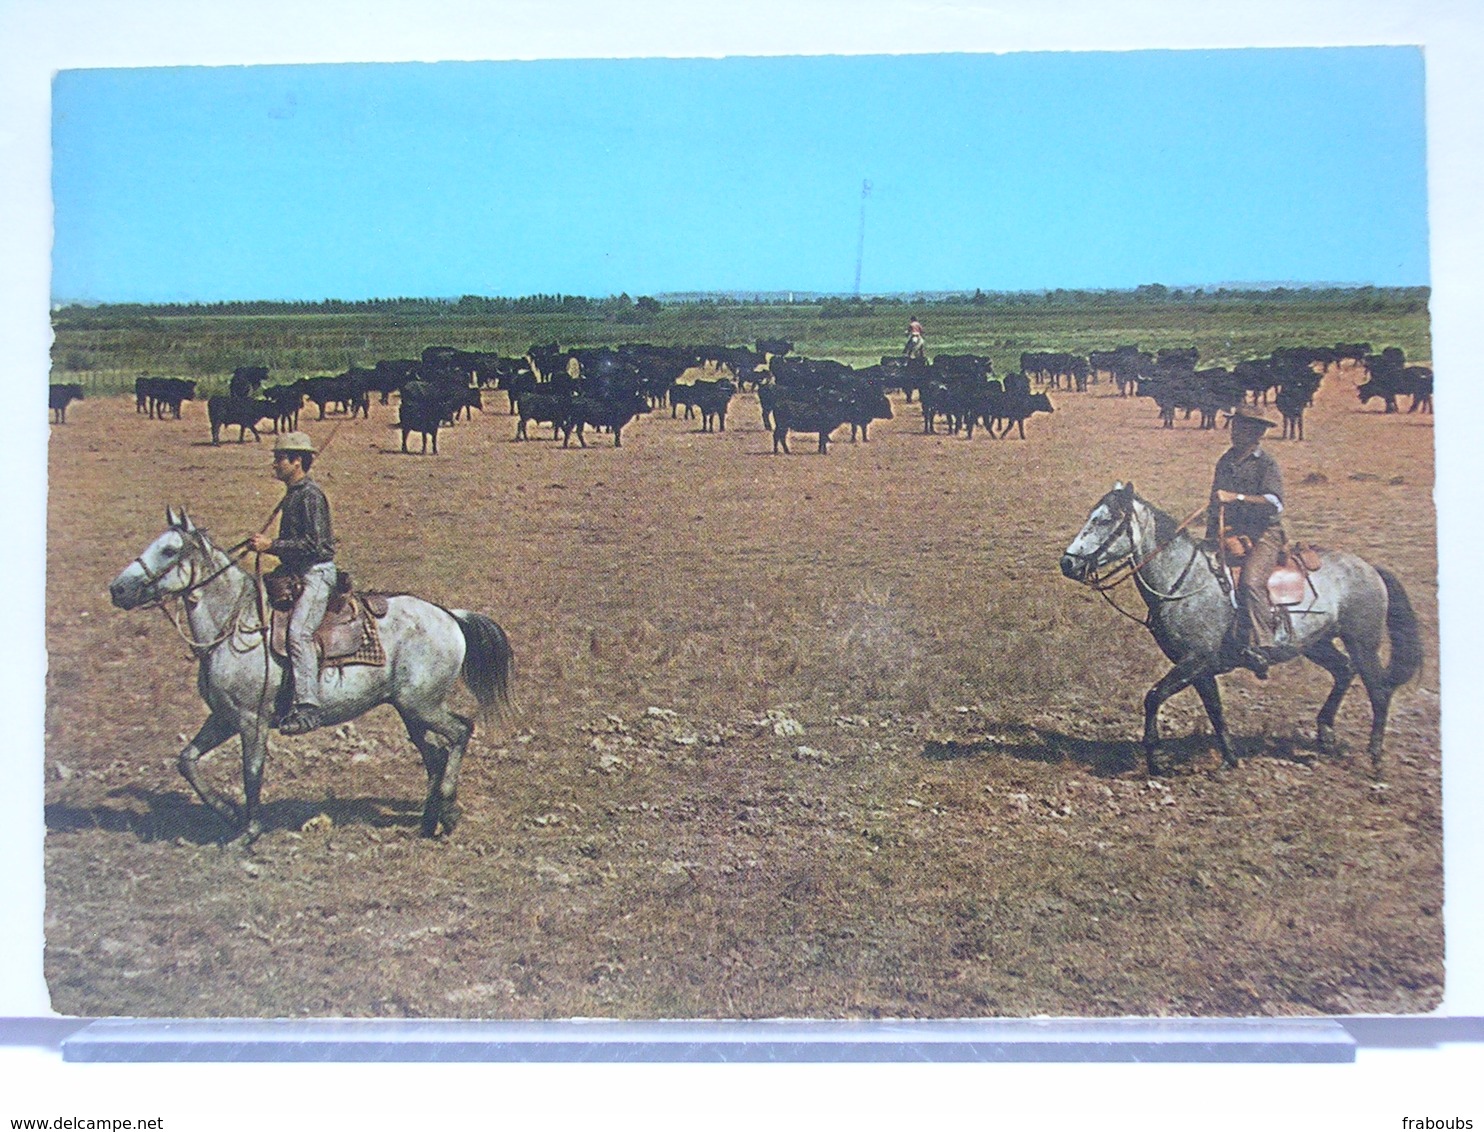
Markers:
(347, 633)
(1289, 581)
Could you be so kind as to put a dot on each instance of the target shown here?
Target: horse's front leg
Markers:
(214, 732)
(1175, 680)
(254, 756)
(1211, 696)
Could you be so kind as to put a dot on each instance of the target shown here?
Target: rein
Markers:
(1129, 567)
(188, 597)
(151, 577)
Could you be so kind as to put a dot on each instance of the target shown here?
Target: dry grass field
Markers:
(806, 736)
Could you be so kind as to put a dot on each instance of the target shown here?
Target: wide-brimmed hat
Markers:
(294, 442)
(1247, 417)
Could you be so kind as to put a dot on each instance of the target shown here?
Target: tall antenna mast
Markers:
(860, 243)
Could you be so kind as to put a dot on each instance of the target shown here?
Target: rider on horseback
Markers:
(1246, 501)
(915, 349)
(306, 547)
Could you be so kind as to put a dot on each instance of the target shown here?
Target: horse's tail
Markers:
(489, 663)
(1401, 624)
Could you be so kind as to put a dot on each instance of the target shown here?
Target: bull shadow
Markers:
(1111, 758)
(172, 815)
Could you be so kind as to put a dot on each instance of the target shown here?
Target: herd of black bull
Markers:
(605, 388)
(1289, 376)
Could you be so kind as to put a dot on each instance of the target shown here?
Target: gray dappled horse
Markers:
(427, 649)
(1190, 611)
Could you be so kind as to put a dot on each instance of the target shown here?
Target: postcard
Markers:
(784, 502)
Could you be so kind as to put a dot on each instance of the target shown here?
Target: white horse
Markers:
(427, 649)
(1190, 610)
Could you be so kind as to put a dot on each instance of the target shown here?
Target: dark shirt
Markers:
(304, 535)
(1254, 475)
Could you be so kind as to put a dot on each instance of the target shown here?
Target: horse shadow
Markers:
(173, 815)
(1110, 758)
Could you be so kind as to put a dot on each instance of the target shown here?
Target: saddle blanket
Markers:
(347, 634)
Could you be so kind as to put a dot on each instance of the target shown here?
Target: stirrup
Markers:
(1257, 660)
(304, 718)
(1246, 656)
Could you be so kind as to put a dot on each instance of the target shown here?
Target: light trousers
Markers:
(309, 610)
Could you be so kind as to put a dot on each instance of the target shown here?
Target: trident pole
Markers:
(860, 242)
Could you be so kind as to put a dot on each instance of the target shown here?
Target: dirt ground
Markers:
(806, 736)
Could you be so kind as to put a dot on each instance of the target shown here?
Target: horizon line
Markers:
(681, 297)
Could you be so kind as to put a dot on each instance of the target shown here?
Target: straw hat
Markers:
(1251, 419)
(294, 442)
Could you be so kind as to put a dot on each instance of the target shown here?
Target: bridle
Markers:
(197, 548)
(1121, 569)
(1094, 558)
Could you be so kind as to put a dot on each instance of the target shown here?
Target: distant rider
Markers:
(916, 348)
(306, 547)
(1247, 500)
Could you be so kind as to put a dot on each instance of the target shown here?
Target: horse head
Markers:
(167, 566)
(1105, 538)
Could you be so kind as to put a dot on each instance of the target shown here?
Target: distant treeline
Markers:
(1407, 300)
(619, 305)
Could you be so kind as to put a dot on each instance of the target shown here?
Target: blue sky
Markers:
(1004, 172)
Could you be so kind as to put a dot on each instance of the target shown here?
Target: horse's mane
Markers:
(1166, 527)
(203, 538)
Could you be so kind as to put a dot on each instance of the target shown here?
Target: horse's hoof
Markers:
(1324, 739)
(245, 836)
(440, 819)
(233, 817)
